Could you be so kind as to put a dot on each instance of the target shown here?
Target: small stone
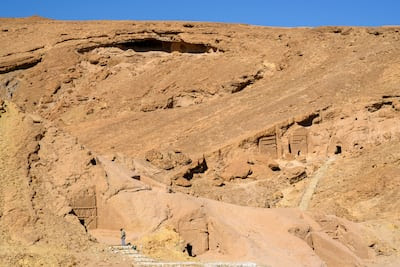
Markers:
(274, 166)
(218, 182)
(182, 182)
(295, 174)
(36, 118)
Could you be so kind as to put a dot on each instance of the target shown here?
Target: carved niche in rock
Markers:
(298, 145)
(84, 206)
(267, 145)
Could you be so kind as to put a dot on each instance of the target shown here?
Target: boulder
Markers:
(36, 118)
(274, 166)
(183, 182)
(236, 169)
(332, 252)
(167, 160)
(295, 174)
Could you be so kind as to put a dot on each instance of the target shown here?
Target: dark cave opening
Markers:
(189, 250)
(152, 44)
(145, 45)
(201, 167)
(93, 162)
(307, 122)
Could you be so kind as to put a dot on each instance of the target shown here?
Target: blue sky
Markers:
(269, 13)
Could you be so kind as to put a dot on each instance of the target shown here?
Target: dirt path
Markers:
(309, 192)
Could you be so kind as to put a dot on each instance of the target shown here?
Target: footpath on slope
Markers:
(139, 259)
(309, 192)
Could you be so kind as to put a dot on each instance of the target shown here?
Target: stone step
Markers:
(139, 259)
(173, 264)
(144, 261)
(132, 251)
(197, 264)
(121, 249)
(135, 255)
(230, 264)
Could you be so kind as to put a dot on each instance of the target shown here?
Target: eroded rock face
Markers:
(237, 169)
(295, 174)
(167, 160)
(289, 153)
(2, 106)
(35, 210)
(101, 121)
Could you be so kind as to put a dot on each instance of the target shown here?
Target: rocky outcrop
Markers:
(167, 160)
(19, 63)
(98, 116)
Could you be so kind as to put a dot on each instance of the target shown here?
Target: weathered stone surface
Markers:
(295, 174)
(332, 252)
(237, 169)
(240, 101)
(182, 182)
(36, 118)
(167, 160)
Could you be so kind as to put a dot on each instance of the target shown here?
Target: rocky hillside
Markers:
(284, 139)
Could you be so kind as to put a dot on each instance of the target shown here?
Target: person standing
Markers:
(123, 236)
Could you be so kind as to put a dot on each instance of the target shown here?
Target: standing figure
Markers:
(123, 236)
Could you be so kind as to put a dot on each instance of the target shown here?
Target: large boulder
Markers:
(236, 169)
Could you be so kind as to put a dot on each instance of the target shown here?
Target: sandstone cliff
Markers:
(272, 145)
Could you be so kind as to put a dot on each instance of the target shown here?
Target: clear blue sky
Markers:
(258, 12)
